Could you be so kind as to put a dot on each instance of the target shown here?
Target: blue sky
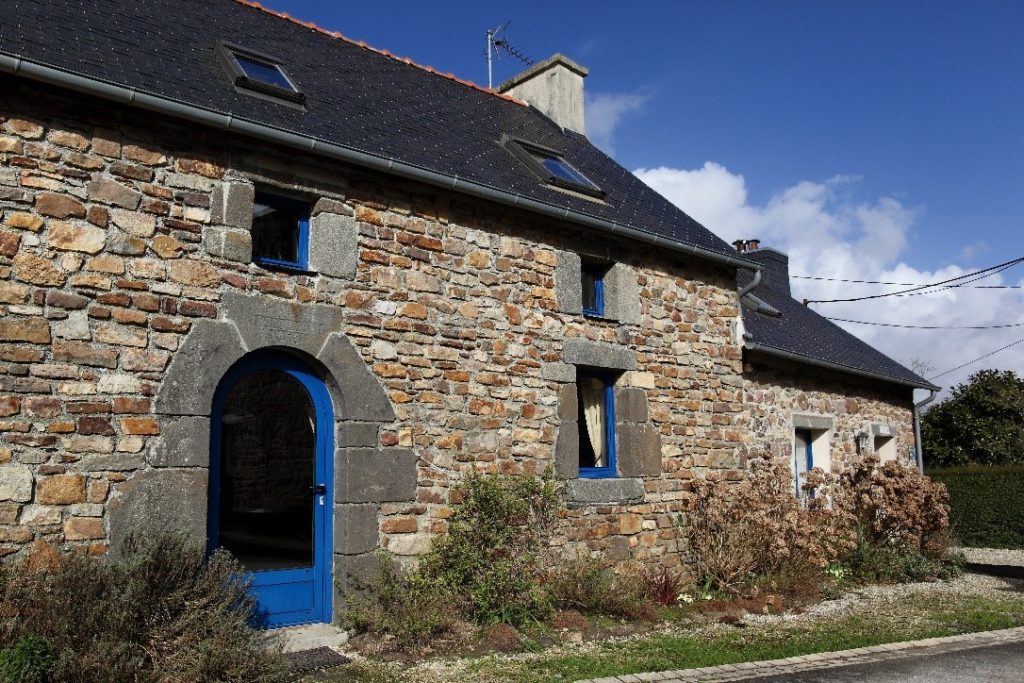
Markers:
(892, 129)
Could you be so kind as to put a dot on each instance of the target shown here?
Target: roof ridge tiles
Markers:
(363, 44)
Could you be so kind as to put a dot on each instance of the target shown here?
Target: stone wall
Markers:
(127, 292)
(778, 393)
(438, 322)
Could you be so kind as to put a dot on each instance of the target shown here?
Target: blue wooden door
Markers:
(271, 485)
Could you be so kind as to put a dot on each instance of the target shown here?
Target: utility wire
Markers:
(976, 275)
(927, 327)
(899, 284)
(1019, 341)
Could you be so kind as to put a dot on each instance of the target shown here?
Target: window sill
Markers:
(597, 473)
(286, 266)
(600, 317)
(606, 491)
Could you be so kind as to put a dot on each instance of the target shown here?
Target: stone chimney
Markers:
(555, 87)
(774, 267)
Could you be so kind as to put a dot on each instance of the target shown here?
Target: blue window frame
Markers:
(803, 457)
(280, 232)
(595, 392)
(593, 287)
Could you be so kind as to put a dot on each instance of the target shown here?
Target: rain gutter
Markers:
(748, 343)
(132, 97)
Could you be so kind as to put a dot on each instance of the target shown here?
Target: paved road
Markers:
(993, 664)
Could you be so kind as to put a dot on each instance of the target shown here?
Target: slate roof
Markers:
(368, 100)
(799, 330)
(357, 97)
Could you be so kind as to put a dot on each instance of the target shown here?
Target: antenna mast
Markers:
(492, 37)
(493, 43)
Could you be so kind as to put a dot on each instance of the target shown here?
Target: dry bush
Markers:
(895, 507)
(585, 584)
(758, 527)
(888, 523)
(162, 613)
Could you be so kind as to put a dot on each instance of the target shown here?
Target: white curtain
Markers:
(592, 393)
(799, 461)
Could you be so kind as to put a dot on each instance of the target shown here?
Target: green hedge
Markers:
(987, 504)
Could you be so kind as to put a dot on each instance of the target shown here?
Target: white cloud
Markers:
(827, 234)
(605, 111)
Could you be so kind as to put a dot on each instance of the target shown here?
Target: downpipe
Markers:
(917, 427)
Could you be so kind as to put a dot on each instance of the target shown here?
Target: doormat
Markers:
(317, 658)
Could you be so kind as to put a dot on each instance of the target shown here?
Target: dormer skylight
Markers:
(260, 73)
(550, 166)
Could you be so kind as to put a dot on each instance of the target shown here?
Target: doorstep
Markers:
(309, 637)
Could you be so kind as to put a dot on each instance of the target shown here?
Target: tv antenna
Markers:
(497, 41)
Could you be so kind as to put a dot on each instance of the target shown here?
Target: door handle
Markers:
(318, 490)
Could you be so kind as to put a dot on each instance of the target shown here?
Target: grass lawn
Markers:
(900, 616)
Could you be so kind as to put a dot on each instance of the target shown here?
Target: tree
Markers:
(981, 422)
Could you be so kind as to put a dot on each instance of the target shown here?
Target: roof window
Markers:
(260, 73)
(550, 166)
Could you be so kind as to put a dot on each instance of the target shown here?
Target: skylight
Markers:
(269, 74)
(260, 73)
(551, 166)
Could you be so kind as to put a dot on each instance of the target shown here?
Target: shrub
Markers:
(985, 504)
(586, 585)
(29, 660)
(662, 586)
(405, 604)
(164, 612)
(491, 553)
(882, 523)
(894, 507)
(757, 528)
(981, 422)
(486, 569)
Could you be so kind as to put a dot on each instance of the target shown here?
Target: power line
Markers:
(976, 275)
(898, 284)
(927, 327)
(975, 360)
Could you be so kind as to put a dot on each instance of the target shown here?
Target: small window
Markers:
(885, 448)
(803, 458)
(280, 231)
(596, 396)
(810, 450)
(550, 166)
(260, 73)
(593, 287)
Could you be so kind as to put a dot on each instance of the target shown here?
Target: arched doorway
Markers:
(271, 480)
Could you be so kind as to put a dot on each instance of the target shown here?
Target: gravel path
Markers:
(863, 599)
(1000, 556)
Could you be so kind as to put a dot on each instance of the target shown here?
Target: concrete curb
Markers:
(823, 660)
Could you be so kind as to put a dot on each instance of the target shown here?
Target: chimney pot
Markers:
(741, 245)
(555, 87)
(753, 245)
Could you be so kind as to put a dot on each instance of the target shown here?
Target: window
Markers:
(280, 231)
(595, 393)
(810, 450)
(593, 287)
(803, 457)
(550, 166)
(885, 448)
(260, 73)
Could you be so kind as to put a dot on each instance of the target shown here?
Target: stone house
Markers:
(284, 291)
